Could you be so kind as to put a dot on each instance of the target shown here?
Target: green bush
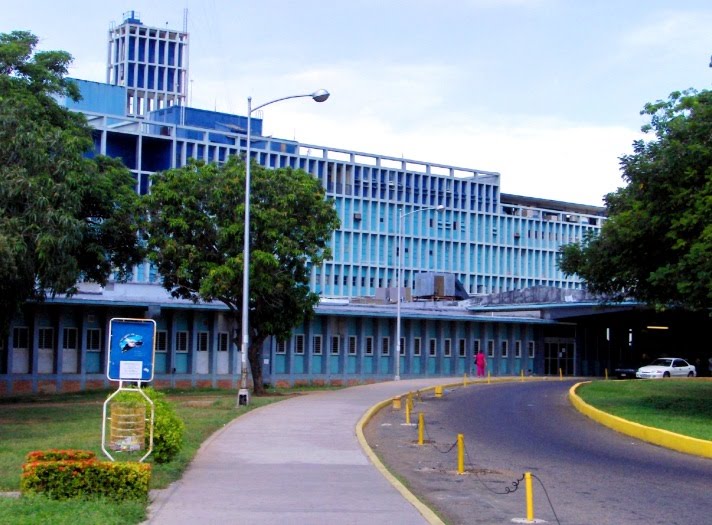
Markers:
(168, 428)
(89, 478)
(59, 454)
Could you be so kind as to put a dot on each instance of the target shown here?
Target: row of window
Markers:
(70, 339)
(45, 338)
(21, 339)
(385, 348)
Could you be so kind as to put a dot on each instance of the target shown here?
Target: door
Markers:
(223, 354)
(202, 365)
(70, 355)
(559, 356)
(45, 350)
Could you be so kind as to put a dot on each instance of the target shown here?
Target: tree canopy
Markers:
(196, 232)
(656, 245)
(66, 217)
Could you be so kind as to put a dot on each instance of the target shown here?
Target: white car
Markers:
(666, 367)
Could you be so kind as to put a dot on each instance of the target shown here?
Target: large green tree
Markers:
(656, 245)
(196, 232)
(65, 217)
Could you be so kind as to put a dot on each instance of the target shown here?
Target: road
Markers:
(591, 474)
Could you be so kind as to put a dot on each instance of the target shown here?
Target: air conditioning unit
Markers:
(357, 216)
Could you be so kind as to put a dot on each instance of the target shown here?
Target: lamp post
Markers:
(244, 393)
(401, 226)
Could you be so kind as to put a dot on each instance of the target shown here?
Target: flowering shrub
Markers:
(56, 454)
(71, 478)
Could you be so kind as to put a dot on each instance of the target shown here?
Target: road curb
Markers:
(656, 436)
(424, 510)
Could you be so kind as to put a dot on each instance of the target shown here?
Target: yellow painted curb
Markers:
(656, 436)
(424, 510)
(428, 514)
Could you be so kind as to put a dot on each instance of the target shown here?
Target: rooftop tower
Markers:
(150, 62)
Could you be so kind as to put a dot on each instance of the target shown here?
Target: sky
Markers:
(546, 92)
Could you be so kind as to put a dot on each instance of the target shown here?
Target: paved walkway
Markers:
(298, 461)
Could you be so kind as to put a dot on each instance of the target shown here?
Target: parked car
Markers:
(625, 371)
(666, 367)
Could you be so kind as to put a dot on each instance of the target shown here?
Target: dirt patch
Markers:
(430, 471)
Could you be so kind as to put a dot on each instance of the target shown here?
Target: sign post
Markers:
(130, 357)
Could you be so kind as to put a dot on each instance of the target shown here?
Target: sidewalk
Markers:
(293, 462)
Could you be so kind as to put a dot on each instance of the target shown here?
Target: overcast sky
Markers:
(546, 92)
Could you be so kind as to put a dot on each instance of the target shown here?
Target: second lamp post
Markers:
(401, 226)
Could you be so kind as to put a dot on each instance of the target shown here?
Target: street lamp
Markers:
(401, 226)
(243, 394)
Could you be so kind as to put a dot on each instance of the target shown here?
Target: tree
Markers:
(195, 237)
(656, 245)
(65, 217)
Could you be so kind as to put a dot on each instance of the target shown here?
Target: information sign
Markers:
(131, 349)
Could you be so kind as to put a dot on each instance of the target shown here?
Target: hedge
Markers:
(48, 473)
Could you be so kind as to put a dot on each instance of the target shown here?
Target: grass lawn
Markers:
(74, 421)
(683, 406)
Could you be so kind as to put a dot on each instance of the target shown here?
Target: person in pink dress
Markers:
(481, 362)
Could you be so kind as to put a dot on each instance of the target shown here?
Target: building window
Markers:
(369, 345)
(461, 348)
(20, 338)
(531, 348)
(475, 346)
(490, 348)
(93, 339)
(45, 339)
(316, 345)
(281, 347)
(433, 347)
(161, 341)
(69, 339)
(353, 340)
(447, 348)
(518, 349)
(202, 341)
(385, 346)
(223, 341)
(402, 346)
(335, 344)
(299, 344)
(182, 341)
(416, 346)
(505, 348)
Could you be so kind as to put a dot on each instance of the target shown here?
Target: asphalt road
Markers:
(592, 475)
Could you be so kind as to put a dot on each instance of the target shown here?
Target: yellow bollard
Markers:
(521, 373)
(460, 454)
(561, 374)
(407, 413)
(409, 400)
(397, 403)
(488, 377)
(421, 427)
(606, 372)
(438, 391)
(464, 380)
(530, 496)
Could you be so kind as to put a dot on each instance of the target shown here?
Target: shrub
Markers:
(90, 478)
(168, 428)
(59, 454)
